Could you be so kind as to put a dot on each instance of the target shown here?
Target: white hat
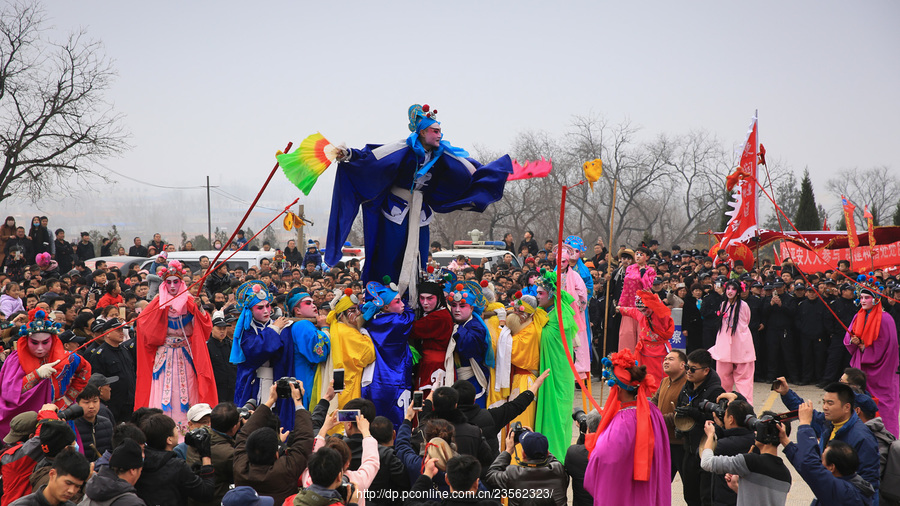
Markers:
(198, 411)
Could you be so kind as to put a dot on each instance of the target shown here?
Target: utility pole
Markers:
(208, 215)
(301, 243)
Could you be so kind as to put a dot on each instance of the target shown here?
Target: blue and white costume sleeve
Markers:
(259, 344)
(474, 356)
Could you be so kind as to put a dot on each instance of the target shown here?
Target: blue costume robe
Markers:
(311, 347)
(261, 343)
(473, 342)
(391, 385)
(379, 179)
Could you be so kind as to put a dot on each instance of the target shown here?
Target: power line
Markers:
(157, 185)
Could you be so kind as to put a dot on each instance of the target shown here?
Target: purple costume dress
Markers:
(880, 362)
(610, 472)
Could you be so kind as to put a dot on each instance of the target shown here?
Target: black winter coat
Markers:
(96, 437)
(168, 479)
(105, 485)
(690, 397)
(391, 475)
(731, 442)
(492, 420)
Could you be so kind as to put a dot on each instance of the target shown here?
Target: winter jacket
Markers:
(811, 318)
(312, 256)
(492, 420)
(806, 458)
(10, 305)
(222, 456)
(731, 442)
(412, 461)
(315, 495)
(666, 398)
(854, 433)
(361, 477)
(224, 371)
(423, 485)
(576, 465)
(690, 397)
(96, 437)
(168, 480)
(84, 252)
(138, 251)
(107, 489)
(469, 439)
(279, 479)
(883, 438)
(37, 499)
(64, 255)
(540, 474)
(16, 466)
(391, 476)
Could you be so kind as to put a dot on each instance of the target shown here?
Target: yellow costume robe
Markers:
(353, 351)
(526, 358)
(495, 397)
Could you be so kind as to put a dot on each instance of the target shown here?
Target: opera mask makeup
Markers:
(39, 344)
(306, 308)
(173, 285)
(396, 306)
(461, 311)
(730, 292)
(428, 302)
(866, 301)
(543, 297)
(262, 311)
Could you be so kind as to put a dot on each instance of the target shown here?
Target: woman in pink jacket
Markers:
(733, 351)
(638, 276)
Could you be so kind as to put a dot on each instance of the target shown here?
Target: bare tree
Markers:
(55, 125)
(876, 187)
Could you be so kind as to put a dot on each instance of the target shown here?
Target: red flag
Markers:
(868, 216)
(825, 224)
(744, 219)
(852, 238)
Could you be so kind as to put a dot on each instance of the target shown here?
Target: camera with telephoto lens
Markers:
(247, 409)
(765, 427)
(283, 387)
(72, 412)
(717, 408)
(580, 418)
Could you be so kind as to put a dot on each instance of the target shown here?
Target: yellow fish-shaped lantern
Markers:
(592, 171)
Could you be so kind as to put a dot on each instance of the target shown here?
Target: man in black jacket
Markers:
(64, 254)
(137, 250)
(95, 430)
(69, 471)
(462, 476)
(577, 460)
(702, 384)
(757, 329)
(493, 420)
(778, 315)
(84, 250)
(115, 483)
(709, 311)
(219, 346)
(167, 479)
(115, 357)
(811, 317)
(392, 474)
(536, 469)
(838, 357)
(469, 438)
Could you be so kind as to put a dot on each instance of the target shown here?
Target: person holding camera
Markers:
(224, 421)
(838, 420)
(733, 437)
(257, 462)
(764, 479)
(577, 456)
(831, 473)
(326, 471)
(536, 468)
(167, 479)
(703, 384)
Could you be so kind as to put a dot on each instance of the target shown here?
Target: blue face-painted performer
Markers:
(389, 321)
(262, 351)
(471, 340)
(399, 187)
(311, 345)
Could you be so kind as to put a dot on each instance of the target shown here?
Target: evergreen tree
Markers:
(875, 217)
(807, 216)
(726, 208)
(842, 225)
(897, 215)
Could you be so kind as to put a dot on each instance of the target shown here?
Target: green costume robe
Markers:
(557, 394)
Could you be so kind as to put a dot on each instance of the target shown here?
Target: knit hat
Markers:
(246, 496)
(55, 435)
(535, 445)
(127, 455)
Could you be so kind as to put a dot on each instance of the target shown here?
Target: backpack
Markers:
(890, 482)
(87, 501)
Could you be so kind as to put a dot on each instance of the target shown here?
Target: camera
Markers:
(198, 439)
(717, 408)
(247, 409)
(517, 430)
(283, 387)
(72, 412)
(765, 427)
(580, 418)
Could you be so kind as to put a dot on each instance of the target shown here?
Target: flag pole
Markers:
(612, 220)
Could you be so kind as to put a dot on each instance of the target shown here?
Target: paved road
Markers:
(800, 492)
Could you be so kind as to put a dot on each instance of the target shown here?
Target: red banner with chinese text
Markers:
(883, 256)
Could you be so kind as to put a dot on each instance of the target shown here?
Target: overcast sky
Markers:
(215, 88)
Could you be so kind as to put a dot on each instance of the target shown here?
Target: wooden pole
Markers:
(612, 220)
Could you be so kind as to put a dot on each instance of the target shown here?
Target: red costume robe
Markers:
(434, 330)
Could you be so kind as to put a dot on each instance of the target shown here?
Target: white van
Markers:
(481, 253)
(242, 259)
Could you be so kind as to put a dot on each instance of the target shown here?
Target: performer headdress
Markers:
(569, 253)
(617, 369)
(382, 295)
(575, 242)
(547, 281)
(867, 324)
(343, 300)
(40, 324)
(470, 291)
(528, 303)
(293, 298)
(175, 268)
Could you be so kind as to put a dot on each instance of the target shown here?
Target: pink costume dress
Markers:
(634, 281)
(610, 472)
(574, 285)
(734, 353)
(880, 362)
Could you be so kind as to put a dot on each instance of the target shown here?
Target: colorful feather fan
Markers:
(305, 164)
